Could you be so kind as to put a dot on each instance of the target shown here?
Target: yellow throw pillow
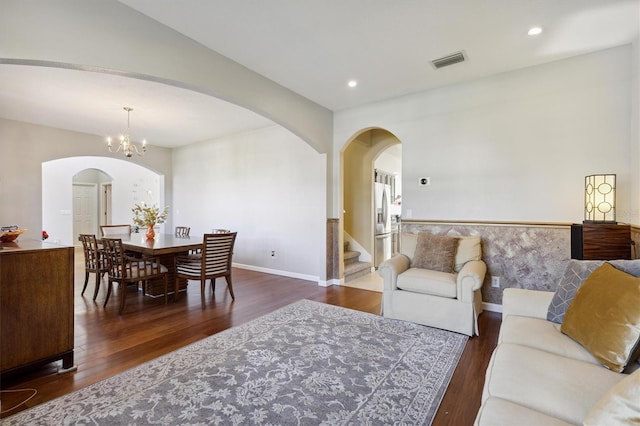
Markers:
(604, 316)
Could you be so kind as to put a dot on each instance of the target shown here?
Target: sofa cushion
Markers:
(605, 316)
(428, 282)
(559, 387)
(500, 412)
(544, 335)
(435, 252)
(619, 406)
(574, 275)
(469, 248)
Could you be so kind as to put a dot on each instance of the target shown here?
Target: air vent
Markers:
(445, 61)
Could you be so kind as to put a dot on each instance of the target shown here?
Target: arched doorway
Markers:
(360, 158)
(130, 184)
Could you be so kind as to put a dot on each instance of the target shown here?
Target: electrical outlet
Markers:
(495, 282)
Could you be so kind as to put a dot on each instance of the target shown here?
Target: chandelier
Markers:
(125, 145)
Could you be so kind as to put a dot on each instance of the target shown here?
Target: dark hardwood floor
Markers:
(107, 343)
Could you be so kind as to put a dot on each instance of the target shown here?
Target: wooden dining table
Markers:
(165, 247)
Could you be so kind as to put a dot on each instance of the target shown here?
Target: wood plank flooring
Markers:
(107, 343)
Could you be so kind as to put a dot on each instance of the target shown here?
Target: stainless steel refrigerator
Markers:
(382, 221)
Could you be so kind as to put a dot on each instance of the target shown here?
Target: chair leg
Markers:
(213, 285)
(175, 292)
(202, 283)
(110, 284)
(230, 286)
(123, 296)
(98, 279)
(86, 280)
(166, 289)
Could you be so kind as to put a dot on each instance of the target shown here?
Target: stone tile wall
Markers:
(523, 256)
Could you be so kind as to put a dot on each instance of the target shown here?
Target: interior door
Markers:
(85, 207)
(105, 214)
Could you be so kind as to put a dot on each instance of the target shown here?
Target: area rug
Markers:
(307, 363)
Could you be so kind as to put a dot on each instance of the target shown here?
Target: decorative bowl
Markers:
(9, 236)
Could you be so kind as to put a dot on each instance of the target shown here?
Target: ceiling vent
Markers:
(445, 61)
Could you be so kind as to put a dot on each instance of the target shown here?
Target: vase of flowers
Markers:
(149, 216)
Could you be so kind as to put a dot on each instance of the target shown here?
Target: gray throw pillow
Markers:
(574, 275)
(435, 252)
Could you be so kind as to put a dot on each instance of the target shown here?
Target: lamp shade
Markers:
(600, 199)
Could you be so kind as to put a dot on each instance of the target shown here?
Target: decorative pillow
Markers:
(604, 316)
(469, 248)
(619, 406)
(435, 252)
(574, 275)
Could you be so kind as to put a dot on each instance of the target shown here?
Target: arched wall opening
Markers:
(131, 184)
(358, 159)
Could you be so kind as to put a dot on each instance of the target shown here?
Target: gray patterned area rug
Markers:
(307, 363)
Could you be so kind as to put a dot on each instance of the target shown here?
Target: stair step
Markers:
(356, 270)
(351, 257)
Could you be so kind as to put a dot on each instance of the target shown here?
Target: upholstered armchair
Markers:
(435, 281)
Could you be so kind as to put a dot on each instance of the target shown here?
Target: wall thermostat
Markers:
(424, 181)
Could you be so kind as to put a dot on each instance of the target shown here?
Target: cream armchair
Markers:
(447, 300)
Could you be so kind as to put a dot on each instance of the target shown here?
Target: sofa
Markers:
(435, 281)
(538, 375)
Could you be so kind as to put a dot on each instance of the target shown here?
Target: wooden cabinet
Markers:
(36, 305)
(599, 241)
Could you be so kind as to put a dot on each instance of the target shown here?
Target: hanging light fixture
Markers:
(125, 145)
(600, 199)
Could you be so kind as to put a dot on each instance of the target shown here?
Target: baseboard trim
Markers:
(492, 307)
(281, 273)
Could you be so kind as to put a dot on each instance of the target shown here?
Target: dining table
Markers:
(165, 247)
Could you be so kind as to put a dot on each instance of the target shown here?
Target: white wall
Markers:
(511, 147)
(269, 186)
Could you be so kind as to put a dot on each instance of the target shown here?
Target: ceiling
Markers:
(314, 49)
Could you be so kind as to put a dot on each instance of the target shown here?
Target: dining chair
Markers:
(182, 231)
(111, 230)
(220, 231)
(215, 262)
(94, 261)
(126, 270)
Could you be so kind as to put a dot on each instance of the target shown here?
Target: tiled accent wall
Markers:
(522, 255)
(333, 249)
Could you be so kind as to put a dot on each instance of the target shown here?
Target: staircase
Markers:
(353, 268)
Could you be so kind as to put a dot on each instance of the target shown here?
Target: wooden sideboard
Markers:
(600, 241)
(36, 305)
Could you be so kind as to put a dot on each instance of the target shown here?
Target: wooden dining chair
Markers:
(215, 262)
(94, 261)
(182, 231)
(113, 230)
(127, 270)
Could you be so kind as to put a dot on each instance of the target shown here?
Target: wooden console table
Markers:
(36, 305)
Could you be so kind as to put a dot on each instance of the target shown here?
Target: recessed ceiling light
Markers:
(352, 83)
(534, 31)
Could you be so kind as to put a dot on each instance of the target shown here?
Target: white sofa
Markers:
(451, 301)
(539, 376)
